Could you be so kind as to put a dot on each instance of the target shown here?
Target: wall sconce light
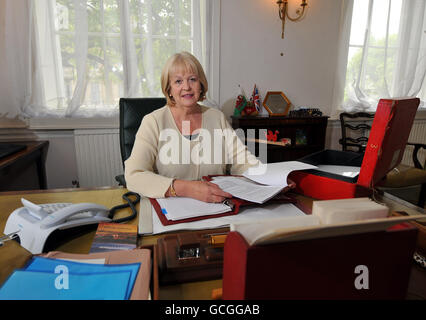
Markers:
(283, 13)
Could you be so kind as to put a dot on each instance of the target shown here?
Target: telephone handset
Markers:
(63, 215)
(34, 223)
(59, 213)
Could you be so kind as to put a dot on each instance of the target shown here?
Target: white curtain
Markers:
(382, 53)
(21, 75)
(46, 80)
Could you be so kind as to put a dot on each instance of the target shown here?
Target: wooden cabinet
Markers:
(25, 170)
(295, 136)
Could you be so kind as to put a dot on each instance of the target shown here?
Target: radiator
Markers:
(98, 157)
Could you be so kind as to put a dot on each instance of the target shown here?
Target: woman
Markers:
(183, 141)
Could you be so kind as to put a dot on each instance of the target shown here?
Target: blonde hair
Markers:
(183, 61)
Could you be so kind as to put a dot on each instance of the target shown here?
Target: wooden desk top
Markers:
(13, 256)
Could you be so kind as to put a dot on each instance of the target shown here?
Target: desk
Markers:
(25, 170)
(13, 256)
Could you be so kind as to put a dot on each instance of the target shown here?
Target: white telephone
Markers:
(34, 223)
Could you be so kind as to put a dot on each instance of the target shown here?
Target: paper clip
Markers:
(8, 237)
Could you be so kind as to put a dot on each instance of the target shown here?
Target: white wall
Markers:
(251, 48)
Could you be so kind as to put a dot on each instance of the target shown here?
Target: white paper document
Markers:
(177, 208)
(246, 189)
(252, 232)
(250, 214)
(255, 187)
(275, 174)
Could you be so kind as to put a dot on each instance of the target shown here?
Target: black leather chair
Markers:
(132, 111)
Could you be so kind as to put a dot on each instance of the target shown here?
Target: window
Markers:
(93, 52)
(387, 52)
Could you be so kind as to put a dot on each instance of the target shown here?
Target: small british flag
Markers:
(256, 99)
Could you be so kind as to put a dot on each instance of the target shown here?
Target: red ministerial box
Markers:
(372, 265)
(385, 147)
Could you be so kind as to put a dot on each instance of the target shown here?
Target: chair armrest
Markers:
(120, 179)
(417, 147)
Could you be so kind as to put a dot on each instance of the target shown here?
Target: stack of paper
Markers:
(343, 210)
(329, 218)
(56, 279)
(261, 183)
(255, 232)
(183, 208)
(246, 189)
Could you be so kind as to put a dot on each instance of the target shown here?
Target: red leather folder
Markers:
(384, 151)
(236, 203)
(323, 268)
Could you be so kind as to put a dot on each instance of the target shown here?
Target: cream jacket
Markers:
(161, 153)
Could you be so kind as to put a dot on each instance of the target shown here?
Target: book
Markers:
(114, 236)
(343, 210)
(322, 224)
(301, 137)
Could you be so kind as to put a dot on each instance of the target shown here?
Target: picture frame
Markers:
(276, 103)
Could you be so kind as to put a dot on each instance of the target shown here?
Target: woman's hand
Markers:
(291, 185)
(200, 190)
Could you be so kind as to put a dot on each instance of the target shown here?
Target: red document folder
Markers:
(235, 204)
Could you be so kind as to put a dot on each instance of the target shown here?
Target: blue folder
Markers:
(36, 285)
(41, 266)
(49, 265)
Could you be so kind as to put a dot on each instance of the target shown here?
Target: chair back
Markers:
(355, 134)
(132, 111)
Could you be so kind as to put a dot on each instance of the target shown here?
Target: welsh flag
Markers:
(241, 102)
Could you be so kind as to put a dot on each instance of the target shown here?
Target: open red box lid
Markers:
(387, 140)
